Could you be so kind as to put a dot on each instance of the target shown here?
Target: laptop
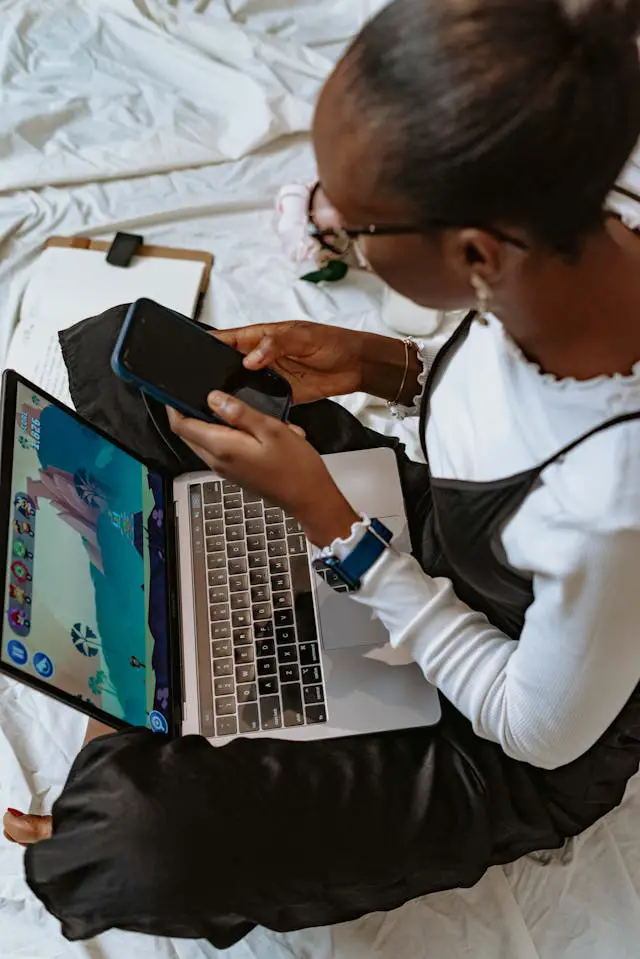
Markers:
(188, 605)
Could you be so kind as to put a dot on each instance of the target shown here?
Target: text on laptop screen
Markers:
(85, 594)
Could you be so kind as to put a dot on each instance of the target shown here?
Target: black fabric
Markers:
(183, 839)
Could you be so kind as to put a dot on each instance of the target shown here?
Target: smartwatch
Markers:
(345, 575)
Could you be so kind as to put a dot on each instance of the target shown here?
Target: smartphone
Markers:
(177, 362)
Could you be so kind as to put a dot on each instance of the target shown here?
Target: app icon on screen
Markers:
(17, 652)
(43, 665)
(157, 722)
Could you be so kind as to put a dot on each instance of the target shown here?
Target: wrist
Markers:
(385, 370)
(332, 520)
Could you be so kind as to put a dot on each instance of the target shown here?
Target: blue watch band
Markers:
(361, 558)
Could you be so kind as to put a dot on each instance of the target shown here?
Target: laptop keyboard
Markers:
(255, 604)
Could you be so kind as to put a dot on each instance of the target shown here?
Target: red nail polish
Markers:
(16, 813)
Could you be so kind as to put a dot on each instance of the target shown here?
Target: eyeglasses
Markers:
(339, 240)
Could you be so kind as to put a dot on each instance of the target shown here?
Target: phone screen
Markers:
(184, 362)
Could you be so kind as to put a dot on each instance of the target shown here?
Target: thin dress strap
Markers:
(623, 418)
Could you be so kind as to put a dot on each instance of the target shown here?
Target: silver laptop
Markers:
(98, 548)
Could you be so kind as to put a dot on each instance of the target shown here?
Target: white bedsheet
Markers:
(180, 120)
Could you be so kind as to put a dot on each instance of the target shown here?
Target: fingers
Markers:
(297, 430)
(258, 342)
(26, 830)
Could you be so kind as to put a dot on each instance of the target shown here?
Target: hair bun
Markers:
(600, 23)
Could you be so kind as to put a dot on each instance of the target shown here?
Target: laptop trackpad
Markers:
(345, 623)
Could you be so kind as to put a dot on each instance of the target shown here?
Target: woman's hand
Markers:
(318, 361)
(25, 830)
(321, 361)
(270, 458)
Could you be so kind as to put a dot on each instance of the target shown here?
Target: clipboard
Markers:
(146, 249)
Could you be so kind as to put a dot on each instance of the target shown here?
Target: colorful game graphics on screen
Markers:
(86, 593)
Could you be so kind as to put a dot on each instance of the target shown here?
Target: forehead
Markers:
(349, 143)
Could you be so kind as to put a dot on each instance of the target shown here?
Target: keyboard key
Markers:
(242, 637)
(254, 527)
(316, 714)
(237, 566)
(215, 544)
(243, 654)
(212, 492)
(289, 674)
(282, 601)
(305, 616)
(214, 528)
(280, 582)
(285, 636)
(247, 693)
(253, 510)
(226, 706)
(255, 543)
(292, 705)
(273, 514)
(237, 583)
(309, 654)
(277, 549)
(270, 715)
(223, 667)
(283, 617)
(239, 600)
(250, 497)
(226, 726)
(292, 526)
(234, 550)
(220, 648)
(213, 512)
(245, 673)
(313, 695)
(300, 577)
(240, 618)
(311, 675)
(217, 561)
(265, 647)
(265, 667)
(260, 594)
(277, 566)
(257, 560)
(297, 545)
(233, 501)
(275, 532)
(228, 486)
(261, 611)
(287, 654)
(224, 686)
(220, 630)
(267, 685)
(232, 517)
(258, 577)
(261, 630)
(248, 718)
(235, 534)
(217, 577)
(218, 594)
(219, 613)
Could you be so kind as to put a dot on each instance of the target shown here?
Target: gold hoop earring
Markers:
(483, 298)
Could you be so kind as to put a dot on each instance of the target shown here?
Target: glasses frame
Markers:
(350, 234)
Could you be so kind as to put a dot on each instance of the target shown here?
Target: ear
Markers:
(475, 251)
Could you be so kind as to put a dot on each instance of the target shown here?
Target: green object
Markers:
(331, 272)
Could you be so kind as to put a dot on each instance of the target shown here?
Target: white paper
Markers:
(69, 285)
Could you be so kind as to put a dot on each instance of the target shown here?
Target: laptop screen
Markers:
(85, 607)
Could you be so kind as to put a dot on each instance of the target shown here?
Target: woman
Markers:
(469, 147)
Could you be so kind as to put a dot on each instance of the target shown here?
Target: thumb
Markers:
(26, 829)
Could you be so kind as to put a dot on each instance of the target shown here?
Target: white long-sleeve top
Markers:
(547, 697)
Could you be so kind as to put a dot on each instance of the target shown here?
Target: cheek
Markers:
(413, 267)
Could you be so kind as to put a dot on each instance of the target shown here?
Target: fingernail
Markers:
(16, 813)
(218, 399)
